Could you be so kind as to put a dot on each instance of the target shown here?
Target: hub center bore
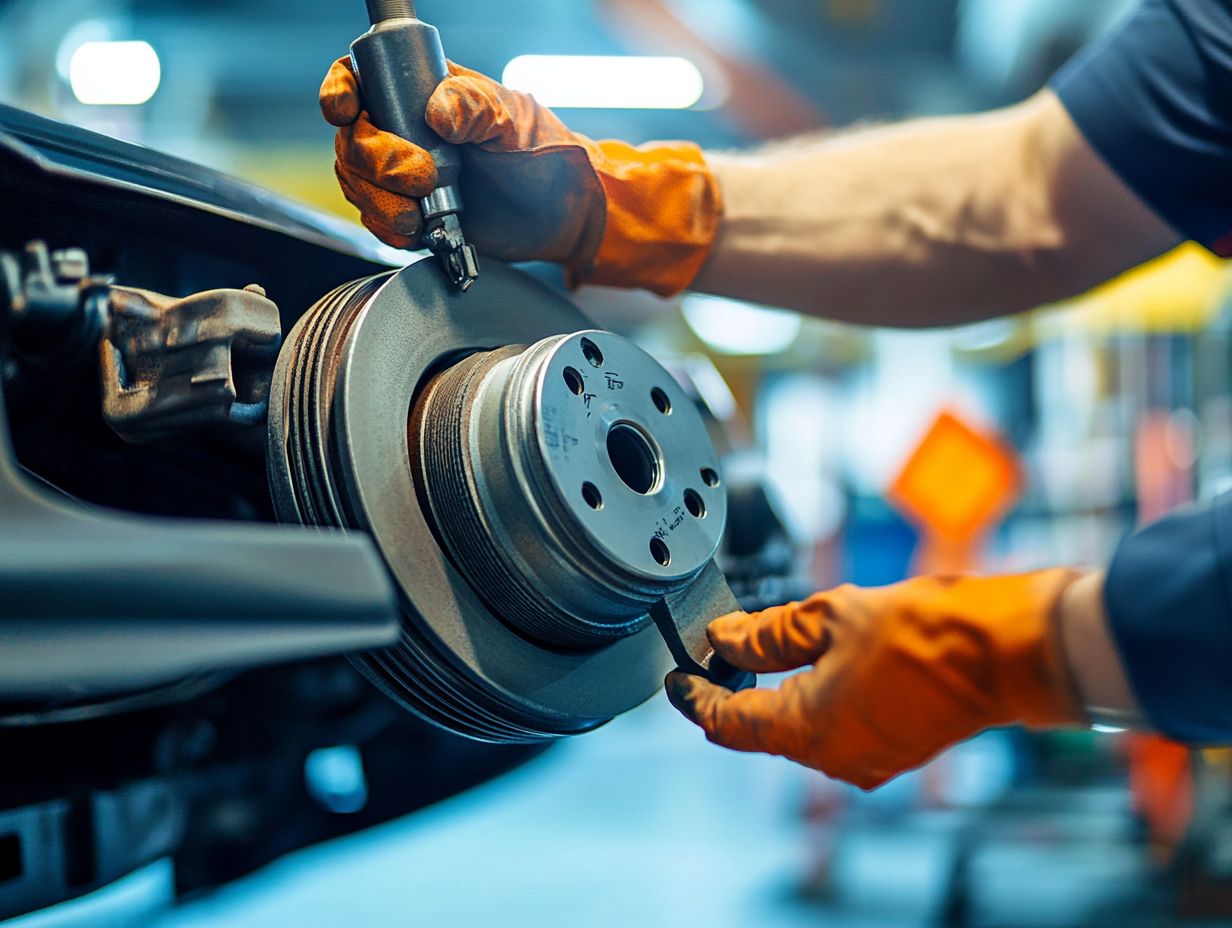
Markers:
(635, 458)
(567, 481)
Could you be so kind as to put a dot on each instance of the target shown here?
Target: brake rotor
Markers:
(539, 493)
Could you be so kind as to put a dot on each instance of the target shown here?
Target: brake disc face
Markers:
(534, 489)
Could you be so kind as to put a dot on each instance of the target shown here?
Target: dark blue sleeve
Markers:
(1169, 605)
(1154, 98)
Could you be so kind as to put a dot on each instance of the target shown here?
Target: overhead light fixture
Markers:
(114, 73)
(607, 81)
(733, 327)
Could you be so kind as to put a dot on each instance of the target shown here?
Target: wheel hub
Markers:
(565, 480)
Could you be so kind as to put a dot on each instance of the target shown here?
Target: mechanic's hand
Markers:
(611, 213)
(898, 673)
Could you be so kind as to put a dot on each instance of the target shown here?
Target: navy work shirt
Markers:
(1154, 99)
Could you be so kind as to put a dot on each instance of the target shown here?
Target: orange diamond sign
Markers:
(959, 481)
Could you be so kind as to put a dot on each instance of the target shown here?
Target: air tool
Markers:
(400, 62)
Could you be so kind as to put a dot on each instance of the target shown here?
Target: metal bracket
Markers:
(167, 364)
(682, 619)
(52, 308)
(170, 365)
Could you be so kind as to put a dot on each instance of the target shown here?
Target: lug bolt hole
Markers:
(574, 381)
(592, 352)
(659, 551)
(710, 476)
(661, 401)
(590, 493)
(695, 504)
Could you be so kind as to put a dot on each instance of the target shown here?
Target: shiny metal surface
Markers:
(339, 456)
(440, 201)
(568, 478)
(348, 430)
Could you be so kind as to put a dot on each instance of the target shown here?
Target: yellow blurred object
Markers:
(1178, 292)
(304, 173)
(852, 12)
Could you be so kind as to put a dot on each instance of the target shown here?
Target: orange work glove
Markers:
(898, 673)
(611, 213)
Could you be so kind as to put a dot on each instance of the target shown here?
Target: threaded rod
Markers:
(381, 10)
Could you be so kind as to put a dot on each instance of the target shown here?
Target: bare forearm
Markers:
(930, 222)
(1091, 654)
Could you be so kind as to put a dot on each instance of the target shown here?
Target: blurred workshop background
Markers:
(1062, 428)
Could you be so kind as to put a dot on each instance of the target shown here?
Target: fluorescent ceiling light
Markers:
(607, 82)
(732, 327)
(114, 73)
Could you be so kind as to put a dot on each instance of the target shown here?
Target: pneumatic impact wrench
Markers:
(400, 62)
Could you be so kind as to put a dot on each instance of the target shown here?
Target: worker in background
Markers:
(1126, 153)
